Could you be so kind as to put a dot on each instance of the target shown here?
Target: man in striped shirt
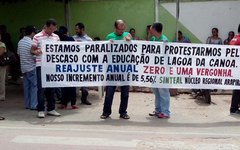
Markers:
(45, 35)
(28, 68)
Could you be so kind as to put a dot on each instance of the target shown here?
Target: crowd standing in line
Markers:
(30, 59)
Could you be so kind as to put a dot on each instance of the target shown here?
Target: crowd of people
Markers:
(29, 61)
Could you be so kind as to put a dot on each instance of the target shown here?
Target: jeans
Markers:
(235, 101)
(162, 100)
(110, 90)
(49, 92)
(30, 89)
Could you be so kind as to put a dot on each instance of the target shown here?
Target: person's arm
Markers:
(128, 37)
(34, 49)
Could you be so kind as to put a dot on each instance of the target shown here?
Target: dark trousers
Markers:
(110, 90)
(84, 94)
(15, 69)
(49, 92)
(68, 94)
(235, 101)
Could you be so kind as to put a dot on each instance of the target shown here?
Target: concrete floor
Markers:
(194, 125)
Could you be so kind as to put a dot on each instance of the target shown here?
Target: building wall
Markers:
(30, 12)
(99, 15)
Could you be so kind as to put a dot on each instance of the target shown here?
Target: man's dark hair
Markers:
(62, 30)
(149, 26)
(239, 28)
(179, 32)
(157, 26)
(97, 39)
(29, 30)
(80, 25)
(132, 29)
(50, 22)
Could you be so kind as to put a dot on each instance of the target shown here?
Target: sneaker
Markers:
(53, 113)
(104, 116)
(124, 116)
(236, 112)
(163, 116)
(41, 114)
(154, 113)
(74, 107)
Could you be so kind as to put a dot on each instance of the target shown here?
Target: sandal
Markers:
(2, 118)
(124, 116)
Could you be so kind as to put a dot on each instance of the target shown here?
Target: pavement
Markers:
(194, 125)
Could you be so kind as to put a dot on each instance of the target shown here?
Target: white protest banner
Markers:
(140, 63)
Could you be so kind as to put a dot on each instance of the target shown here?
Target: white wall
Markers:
(201, 17)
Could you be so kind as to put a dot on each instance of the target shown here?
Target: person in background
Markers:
(68, 93)
(132, 31)
(231, 34)
(22, 32)
(118, 34)
(181, 38)
(235, 103)
(3, 49)
(14, 68)
(162, 95)
(28, 68)
(46, 34)
(81, 36)
(148, 32)
(214, 38)
(96, 39)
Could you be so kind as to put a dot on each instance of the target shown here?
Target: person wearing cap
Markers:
(28, 68)
(2, 72)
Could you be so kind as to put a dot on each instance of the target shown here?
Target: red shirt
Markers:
(235, 40)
